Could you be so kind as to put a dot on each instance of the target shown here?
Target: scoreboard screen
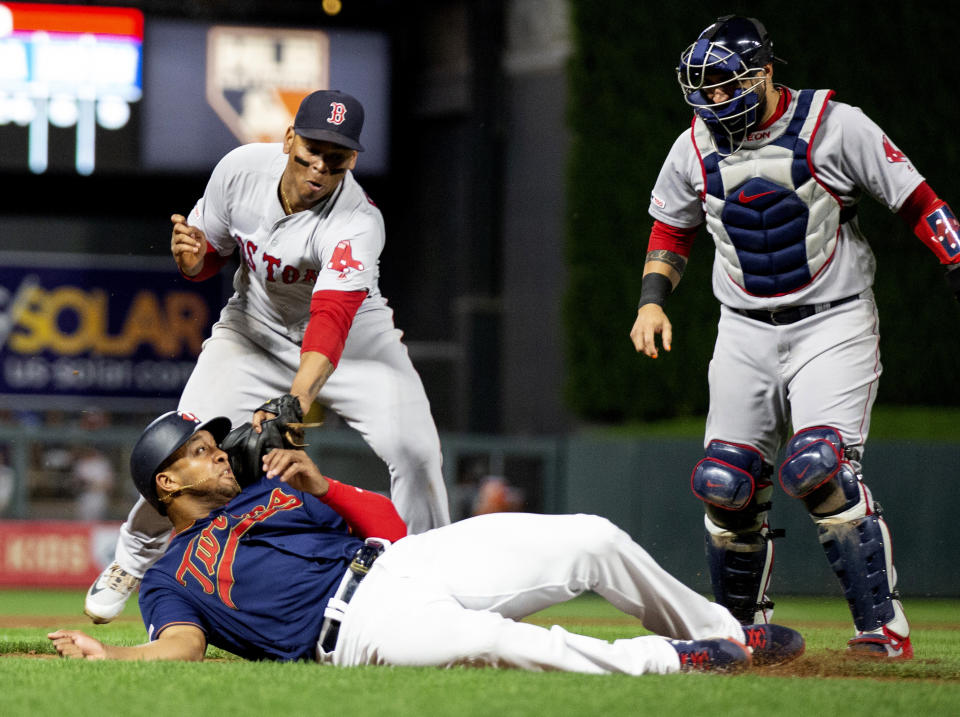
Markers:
(95, 89)
(70, 84)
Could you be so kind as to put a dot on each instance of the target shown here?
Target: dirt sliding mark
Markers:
(55, 621)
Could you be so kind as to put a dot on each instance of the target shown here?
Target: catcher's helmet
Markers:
(732, 50)
(159, 441)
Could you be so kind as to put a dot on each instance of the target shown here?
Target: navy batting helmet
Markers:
(732, 50)
(160, 440)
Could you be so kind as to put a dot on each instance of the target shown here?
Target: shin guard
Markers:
(860, 554)
(740, 565)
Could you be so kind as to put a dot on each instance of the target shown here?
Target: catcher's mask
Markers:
(160, 440)
(732, 51)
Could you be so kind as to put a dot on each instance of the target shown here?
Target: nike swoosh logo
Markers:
(744, 199)
(96, 588)
(711, 484)
(802, 473)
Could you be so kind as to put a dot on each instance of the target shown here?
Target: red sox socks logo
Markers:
(338, 113)
(343, 261)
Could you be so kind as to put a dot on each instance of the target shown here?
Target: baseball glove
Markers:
(289, 418)
(246, 448)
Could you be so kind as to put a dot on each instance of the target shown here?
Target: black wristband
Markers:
(654, 289)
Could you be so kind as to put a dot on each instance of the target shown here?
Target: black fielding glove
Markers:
(246, 449)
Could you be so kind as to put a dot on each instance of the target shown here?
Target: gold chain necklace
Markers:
(287, 207)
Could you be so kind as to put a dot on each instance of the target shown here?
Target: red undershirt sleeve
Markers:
(917, 204)
(664, 237)
(369, 515)
(212, 264)
(331, 314)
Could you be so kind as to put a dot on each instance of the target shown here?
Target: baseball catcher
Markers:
(776, 174)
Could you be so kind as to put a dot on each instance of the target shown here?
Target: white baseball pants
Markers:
(452, 596)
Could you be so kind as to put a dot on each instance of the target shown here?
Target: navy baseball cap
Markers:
(331, 116)
(160, 440)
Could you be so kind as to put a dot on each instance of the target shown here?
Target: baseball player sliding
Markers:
(776, 174)
(299, 566)
(306, 302)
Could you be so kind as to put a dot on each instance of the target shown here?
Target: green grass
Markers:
(930, 684)
(907, 423)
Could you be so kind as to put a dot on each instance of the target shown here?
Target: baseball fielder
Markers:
(776, 175)
(294, 567)
(306, 301)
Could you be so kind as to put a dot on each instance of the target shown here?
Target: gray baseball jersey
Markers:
(334, 245)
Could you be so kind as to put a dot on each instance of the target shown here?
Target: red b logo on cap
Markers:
(338, 113)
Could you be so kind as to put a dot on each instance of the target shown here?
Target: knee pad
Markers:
(730, 476)
(818, 472)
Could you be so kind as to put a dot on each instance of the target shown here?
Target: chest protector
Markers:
(775, 225)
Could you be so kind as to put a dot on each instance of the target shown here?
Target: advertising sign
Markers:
(122, 330)
(256, 77)
(64, 554)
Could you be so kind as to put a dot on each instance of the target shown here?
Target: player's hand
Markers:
(259, 417)
(295, 468)
(651, 320)
(188, 245)
(77, 645)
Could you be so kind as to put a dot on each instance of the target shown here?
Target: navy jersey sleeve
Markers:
(163, 605)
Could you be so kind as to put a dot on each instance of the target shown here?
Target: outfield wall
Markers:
(644, 486)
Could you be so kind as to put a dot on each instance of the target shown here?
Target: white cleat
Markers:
(108, 595)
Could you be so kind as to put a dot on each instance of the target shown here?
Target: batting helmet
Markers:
(732, 50)
(160, 440)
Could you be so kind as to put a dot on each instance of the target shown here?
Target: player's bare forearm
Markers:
(315, 369)
(668, 263)
(178, 642)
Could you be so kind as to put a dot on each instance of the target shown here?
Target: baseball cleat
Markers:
(716, 655)
(107, 596)
(883, 644)
(773, 644)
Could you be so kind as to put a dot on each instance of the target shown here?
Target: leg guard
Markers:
(740, 566)
(857, 545)
(734, 482)
(825, 475)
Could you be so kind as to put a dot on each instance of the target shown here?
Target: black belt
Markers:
(362, 561)
(791, 314)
